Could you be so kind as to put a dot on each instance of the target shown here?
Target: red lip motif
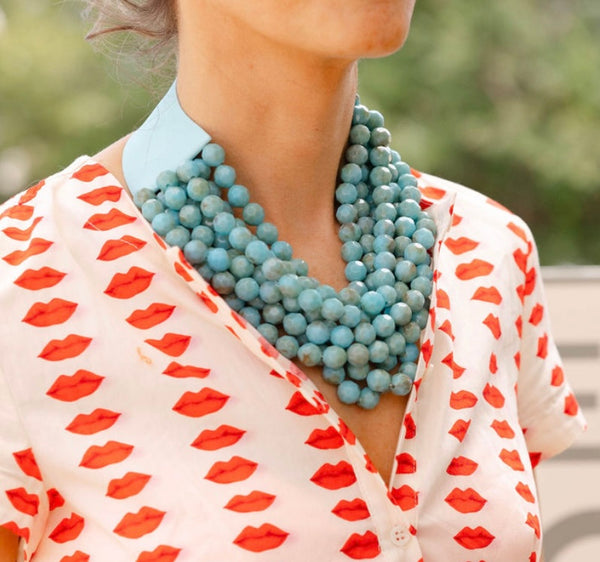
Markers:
(301, 406)
(404, 497)
(36, 246)
(89, 172)
(429, 191)
(235, 469)
(98, 196)
(88, 424)
(346, 433)
(520, 258)
(185, 371)
(493, 323)
(210, 304)
(18, 212)
(410, 427)
(162, 553)
(107, 221)
(129, 485)
(487, 294)
(31, 192)
(136, 525)
(110, 453)
(518, 231)
(72, 346)
(329, 438)
(442, 299)
(426, 351)
(518, 359)
(361, 547)
(198, 404)
(71, 388)
(447, 328)
(473, 539)
(537, 313)
(461, 466)
(171, 344)
(23, 501)
(457, 370)
(571, 407)
(68, 529)
(405, 464)
(493, 364)
(78, 556)
(254, 501)
(115, 249)
(525, 492)
(36, 279)
(223, 436)
(462, 399)
(334, 477)
(182, 272)
(54, 499)
(503, 429)
(534, 522)
(130, 284)
(354, 510)
(460, 245)
(493, 396)
(27, 463)
(151, 316)
(512, 459)
(473, 269)
(54, 312)
(542, 349)
(22, 532)
(465, 501)
(22, 235)
(459, 429)
(259, 539)
(267, 348)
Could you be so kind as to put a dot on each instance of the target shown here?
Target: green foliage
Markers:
(501, 96)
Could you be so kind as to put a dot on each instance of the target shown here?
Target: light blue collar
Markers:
(166, 139)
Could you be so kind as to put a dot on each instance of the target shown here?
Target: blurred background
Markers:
(502, 96)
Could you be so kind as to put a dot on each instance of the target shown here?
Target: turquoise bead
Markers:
(410, 369)
(410, 192)
(384, 325)
(241, 267)
(380, 136)
(332, 309)
(349, 231)
(246, 288)
(287, 346)
(365, 333)
(378, 380)
(357, 154)
(143, 195)
(267, 232)
(342, 336)
(346, 213)
(348, 295)
(406, 179)
(385, 211)
(351, 316)
(224, 176)
(224, 223)
(396, 343)
(213, 155)
(269, 292)
(351, 173)
(204, 234)
(388, 293)
(421, 318)
(257, 252)
(211, 206)
(400, 384)
(401, 313)
(269, 332)
(351, 251)
(178, 236)
(273, 269)
(333, 376)
(368, 398)
(409, 208)
(415, 300)
(358, 372)
(289, 285)
(360, 134)
(238, 196)
(282, 250)
(378, 351)
(294, 323)
(218, 260)
(385, 260)
(367, 242)
(310, 300)
(253, 214)
(411, 353)
(424, 237)
(383, 194)
(372, 303)
(251, 315)
(197, 189)
(360, 115)
(273, 313)
(346, 193)
(411, 332)
(376, 121)
(334, 357)
(422, 285)
(358, 354)
(318, 332)
(240, 237)
(151, 208)
(356, 271)
(384, 226)
(405, 226)
(348, 391)
(166, 179)
(380, 175)
(380, 278)
(188, 170)
(366, 225)
(190, 216)
(195, 252)
(163, 222)
(405, 271)
(380, 156)
(223, 283)
(310, 354)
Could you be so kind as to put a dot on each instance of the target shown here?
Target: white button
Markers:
(400, 535)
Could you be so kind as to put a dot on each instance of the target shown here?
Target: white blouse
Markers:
(141, 419)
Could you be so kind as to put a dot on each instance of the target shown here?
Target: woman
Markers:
(143, 418)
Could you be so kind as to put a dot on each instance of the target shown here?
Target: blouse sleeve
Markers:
(548, 411)
(23, 500)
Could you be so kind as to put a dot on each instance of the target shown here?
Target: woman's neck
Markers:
(282, 116)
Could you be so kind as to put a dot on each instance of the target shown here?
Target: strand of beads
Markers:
(366, 335)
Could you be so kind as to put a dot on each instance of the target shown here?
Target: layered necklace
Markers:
(365, 336)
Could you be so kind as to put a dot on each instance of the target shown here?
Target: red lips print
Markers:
(151, 316)
(446, 327)
(107, 221)
(493, 396)
(18, 212)
(98, 196)
(23, 501)
(254, 501)
(301, 406)
(410, 427)
(182, 272)
(512, 459)
(537, 313)
(68, 529)
(571, 407)
(209, 302)
(457, 370)
(178, 371)
(162, 553)
(223, 436)
(71, 388)
(558, 376)
(461, 466)
(465, 501)
(36, 279)
(22, 235)
(36, 246)
(405, 464)
(77, 556)
(462, 399)
(27, 463)
(525, 492)
(89, 172)
(110, 453)
(534, 522)
(426, 351)
(493, 323)
(235, 469)
(55, 500)
(334, 477)
(52, 313)
(542, 348)
(442, 299)
(459, 429)
(30, 193)
(115, 249)
(517, 230)
(361, 547)
(129, 485)
(130, 284)
(473, 539)
(136, 525)
(88, 424)
(487, 294)
(354, 510)
(329, 438)
(530, 279)
(259, 539)
(473, 269)
(171, 344)
(432, 192)
(405, 497)
(198, 404)
(520, 258)
(22, 532)
(503, 429)
(72, 346)
(493, 366)
(461, 245)
(346, 433)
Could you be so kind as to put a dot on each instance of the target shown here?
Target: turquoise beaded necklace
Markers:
(366, 335)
